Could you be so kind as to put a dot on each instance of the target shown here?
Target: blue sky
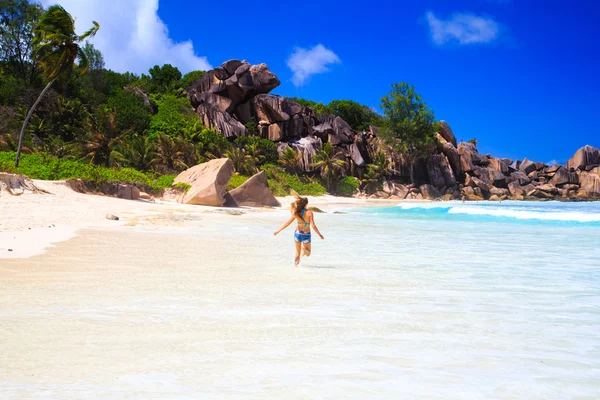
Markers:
(520, 76)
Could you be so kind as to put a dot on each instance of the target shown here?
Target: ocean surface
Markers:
(409, 301)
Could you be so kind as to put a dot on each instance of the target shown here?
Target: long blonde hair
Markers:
(298, 205)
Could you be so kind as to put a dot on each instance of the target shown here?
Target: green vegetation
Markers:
(56, 47)
(236, 181)
(184, 187)
(165, 181)
(47, 167)
(347, 186)
(410, 125)
(358, 116)
(69, 123)
(330, 163)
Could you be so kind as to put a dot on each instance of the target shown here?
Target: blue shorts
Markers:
(302, 237)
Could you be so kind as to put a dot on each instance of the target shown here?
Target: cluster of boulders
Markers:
(461, 172)
(229, 97)
(207, 185)
(235, 96)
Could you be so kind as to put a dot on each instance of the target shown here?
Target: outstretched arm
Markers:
(314, 226)
(285, 225)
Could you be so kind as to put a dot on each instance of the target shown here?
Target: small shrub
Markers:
(347, 186)
(164, 181)
(47, 167)
(236, 181)
(183, 186)
(283, 183)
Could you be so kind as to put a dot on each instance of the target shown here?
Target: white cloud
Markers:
(132, 37)
(552, 162)
(307, 62)
(463, 28)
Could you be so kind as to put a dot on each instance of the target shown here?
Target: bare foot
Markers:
(296, 261)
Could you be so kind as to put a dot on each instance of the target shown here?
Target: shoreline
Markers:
(32, 223)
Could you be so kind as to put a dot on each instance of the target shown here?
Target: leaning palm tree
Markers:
(56, 47)
(290, 159)
(329, 162)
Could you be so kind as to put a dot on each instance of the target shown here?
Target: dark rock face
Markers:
(440, 172)
(563, 177)
(429, 192)
(220, 121)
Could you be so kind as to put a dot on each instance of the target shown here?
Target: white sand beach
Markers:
(188, 302)
(32, 222)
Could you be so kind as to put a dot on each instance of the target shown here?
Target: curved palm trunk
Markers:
(26, 122)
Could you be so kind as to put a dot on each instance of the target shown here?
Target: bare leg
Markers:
(297, 259)
(307, 249)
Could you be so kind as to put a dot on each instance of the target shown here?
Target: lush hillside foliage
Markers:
(95, 123)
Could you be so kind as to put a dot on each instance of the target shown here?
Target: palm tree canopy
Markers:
(329, 161)
(56, 43)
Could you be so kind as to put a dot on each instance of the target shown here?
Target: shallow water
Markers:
(422, 300)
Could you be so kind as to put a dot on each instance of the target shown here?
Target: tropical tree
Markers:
(329, 162)
(170, 154)
(255, 152)
(104, 139)
(289, 159)
(17, 21)
(410, 124)
(358, 116)
(377, 171)
(242, 162)
(138, 152)
(56, 47)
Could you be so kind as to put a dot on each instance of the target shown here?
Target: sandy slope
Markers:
(32, 222)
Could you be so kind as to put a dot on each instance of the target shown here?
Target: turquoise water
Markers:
(488, 300)
(410, 301)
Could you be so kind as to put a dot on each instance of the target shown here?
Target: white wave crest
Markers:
(576, 216)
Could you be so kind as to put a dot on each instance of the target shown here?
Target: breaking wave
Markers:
(580, 212)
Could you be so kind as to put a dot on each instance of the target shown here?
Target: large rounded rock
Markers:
(254, 192)
(520, 177)
(562, 177)
(239, 86)
(208, 182)
(274, 108)
(499, 165)
(584, 157)
(527, 166)
(589, 183)
(447, 133)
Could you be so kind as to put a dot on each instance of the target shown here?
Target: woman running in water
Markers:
(304, 219)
